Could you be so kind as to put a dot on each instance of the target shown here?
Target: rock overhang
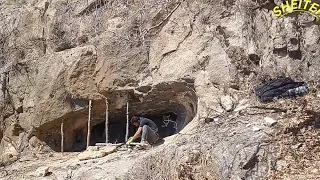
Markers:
(175, 97)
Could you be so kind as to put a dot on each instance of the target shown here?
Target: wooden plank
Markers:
(107, 121)
(89, 125)
(107, 144)
(127, 128)
(62, 136)
(134, 144)
(118, 144)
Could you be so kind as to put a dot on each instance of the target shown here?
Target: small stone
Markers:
(232, 133)
(315, 171)
(280, 165)
(35, 142)
(69, 174)
(297, 146)
(256, 128)
(208, 174)
(42, 171)
(227, 103)
(93, 148)
(7, 158)
(85, 155)
(208, 120)
(75, 166)
(269, 121)
(243, 104)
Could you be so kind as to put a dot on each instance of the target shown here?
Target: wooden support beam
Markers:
(127, 128)
(89, 125)
(62, 137)
(107, 121)
(107, 144)
(118, 144)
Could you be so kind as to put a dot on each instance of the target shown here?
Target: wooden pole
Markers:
(107, 121)
(62, 136)
(89, 125)
(127, 129)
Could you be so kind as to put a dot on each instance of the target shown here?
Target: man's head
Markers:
(135, 121)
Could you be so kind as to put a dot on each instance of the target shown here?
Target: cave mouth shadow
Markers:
(166, 123)
(169, 120)
(156, 102)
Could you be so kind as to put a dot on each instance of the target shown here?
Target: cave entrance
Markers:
(171, 105)
(166, 123)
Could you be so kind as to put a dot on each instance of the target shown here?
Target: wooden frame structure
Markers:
(106, 124)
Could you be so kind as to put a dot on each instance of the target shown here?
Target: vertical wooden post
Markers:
(62, 136)
(127, 129)
(89, 125)
(107, 121)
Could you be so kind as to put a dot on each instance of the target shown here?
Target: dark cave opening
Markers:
(171, 105)
(117, 132)
(79, 143)
(166, 123)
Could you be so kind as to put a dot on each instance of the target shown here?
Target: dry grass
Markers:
(297, 141)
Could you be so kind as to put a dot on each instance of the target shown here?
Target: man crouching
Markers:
(147, 130)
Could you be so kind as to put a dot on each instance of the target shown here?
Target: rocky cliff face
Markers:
(192, 58)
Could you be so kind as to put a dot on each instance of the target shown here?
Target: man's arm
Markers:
(137, 134)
